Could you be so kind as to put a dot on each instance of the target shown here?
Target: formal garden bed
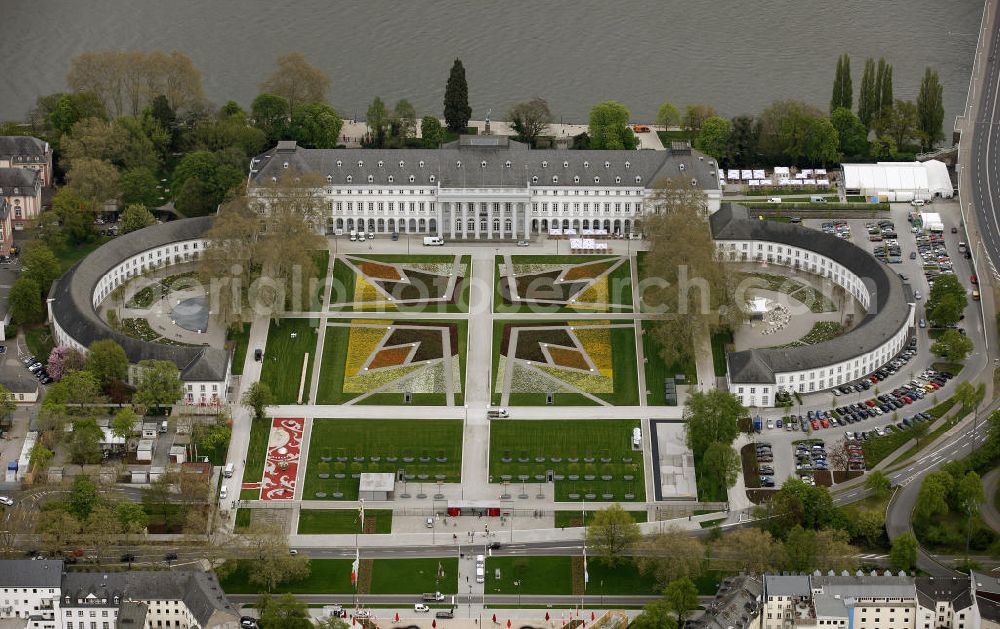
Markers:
(563, 283)
(401, 283)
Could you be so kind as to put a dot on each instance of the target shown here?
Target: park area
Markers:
(586, 362)
(562, 283)
(340, 450)
(547, 575)
(344, 521)
(289, 341)
(590, 459)
(376, 361)
(378, 576)
(400, 283)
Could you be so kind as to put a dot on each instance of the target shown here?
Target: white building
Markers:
(899, 181)
(486, 187)
(30, 590)
(756, 375)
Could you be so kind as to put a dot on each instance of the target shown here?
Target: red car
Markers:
(873, 379)
(908, 399)
(825, 423)
(870, 403)
(815, 425)
(975, 280)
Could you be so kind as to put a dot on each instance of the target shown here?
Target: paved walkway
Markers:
(988, 510)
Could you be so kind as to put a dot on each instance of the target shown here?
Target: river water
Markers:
(735, 55)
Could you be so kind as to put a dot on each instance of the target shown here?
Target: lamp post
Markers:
(517, 584)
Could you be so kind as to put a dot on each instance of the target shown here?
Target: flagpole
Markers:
(586, 576)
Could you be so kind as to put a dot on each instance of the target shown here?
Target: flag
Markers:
(586, 576)
(354, 568)
(361, 513)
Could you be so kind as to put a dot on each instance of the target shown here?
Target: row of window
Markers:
(458, 164)
(537, 192)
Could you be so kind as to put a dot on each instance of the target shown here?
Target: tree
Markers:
(748, 550)
(821, 142)
(654, 615)
(800, 549)
(257, 398)
(40, 264)
(25, 301)
(682, 597)
(107, 361)
(159, 383)
(266, 549)
(720, 467)
(202, 180)
(85, 442)
(284, 612)
(851, 133)
(139, 186)
(136, 217)
(711, 418)
(883, 95)
(932, 499)
(270, 114)
(456, 99)
(156, 497)
(742, 149)
(668, 115)
(902, 122)
(331, 622)
(378, 123)
(131, 517)
(59, 529)
(787, 128)
(530, 119)
(671, 555)
(316, 126)
(970, 395)
(612, 532)
(797, 503)
(947, 300)
(298, 82)
(75, 215)
(843, 90)
(868, 96)
(953, 345)
(404, 120)
(834, 551)
(430, 131)
(125, 81)
(869, 525)
(93, 179)
(695, 117)
(930, 108)
(903, 554)
(713, 139)
(77, 387)
(93, 138)
(83, 497)
(609, 127)
(878, 483)
(123, 423)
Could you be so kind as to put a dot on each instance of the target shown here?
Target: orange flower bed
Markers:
(567, 358)
(586, 271)
(379, 271)
(390, 357)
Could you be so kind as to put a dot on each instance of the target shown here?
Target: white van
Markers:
(223, 492)
(354, 235)
(817, 199)
(637, 438)
(227, 472)
(480, 561)
(163, 426)
(433, 241)
(480, 574)
(774, 200)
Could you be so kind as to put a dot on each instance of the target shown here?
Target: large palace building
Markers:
(488, 187)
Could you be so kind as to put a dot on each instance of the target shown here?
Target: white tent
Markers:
(899, 180)
(932, 221)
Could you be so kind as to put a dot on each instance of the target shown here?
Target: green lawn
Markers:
(657, 370)
(720, 339)
(619, 283)
(239, 338)
(554, 576)
(599, 447)
(567, 519)
(331, 376)
(666, 137)
(623, 364)
(320, 259)
(288, 340)
(333, 576)
(253, 472)
(243, 517)
(39, 340)
(390, 442)
(69, 255)
(343, 282)
(334, 521)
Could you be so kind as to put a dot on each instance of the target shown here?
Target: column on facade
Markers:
(475, 220)
(489, 220)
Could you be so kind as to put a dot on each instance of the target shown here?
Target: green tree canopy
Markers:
(947, 300)
(843, 90)
(85, 442)
(40, 264)
(530, 119)
(953, 345)
(711, 418)
(456, 99)
(25, 301)
(378, 122)
(159, 383)
(851, 133)
(930, 108)
(682, 597)
(609, 127)
(903, 553)
(611, 533)
(107, 361)
(135, 217)
(668, 115)
(123, 423)
(431, 131)
(257, 398)
(713, 139)
(868, 97)
(316, 126)
(139, 186)
(270, 113)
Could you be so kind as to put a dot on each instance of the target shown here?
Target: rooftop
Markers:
(888, 311)
(22, 145)
(22, 180)
(22, 573)
(786, 585)
(73, 308)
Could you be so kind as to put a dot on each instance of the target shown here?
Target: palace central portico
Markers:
(487, 187)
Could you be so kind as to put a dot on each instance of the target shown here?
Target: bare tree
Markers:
(530, 119)
(671, 555)
(297, 80)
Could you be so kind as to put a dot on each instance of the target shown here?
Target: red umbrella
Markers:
(591, 615)
(508, 623)
(494, 618)
(546, 616)
(397, 616)
(353, 620)
(434, 624)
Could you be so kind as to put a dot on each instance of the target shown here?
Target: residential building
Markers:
(23, 191)
(736, 605)
(23, 151)
(986, 600)
(30, 590)
(486, 187)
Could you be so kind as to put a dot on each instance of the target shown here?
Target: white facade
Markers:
(38, 604)
(824, 376)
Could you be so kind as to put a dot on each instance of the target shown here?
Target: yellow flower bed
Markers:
(368, 380)
(596, 293)
(361, 342)
(590, 383)
(596, 342)
(365, 291)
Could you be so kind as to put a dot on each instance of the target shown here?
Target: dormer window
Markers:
(340, 163)
(534, 179)
(349, 178)
(507, 164)
(597, 180)
(272, 179)
(545, 164)
(433, 178)
(390, 178)
(402, 163)
(607, 164)
(627, 164)
(412, 178)
(482, 164)
(576, 179)
(371, 178)
(421, 162)
(361, 163)
(618, 179)
(284, 165)
(565, 164)
(638, 179)
(380, 163)
(329, 178)
(586, 164)
(555, 179)
(458, 163)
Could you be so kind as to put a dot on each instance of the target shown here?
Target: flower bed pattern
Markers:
(542, 281)
(282, 463)
(393, 281)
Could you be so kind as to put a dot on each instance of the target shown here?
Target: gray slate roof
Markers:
(73, 306)
(786, 585)
(24, 146)
(21, 573)
(23, 179)
(200, 591)
(472, 151)
(957, 590)
(867, 586)
(889, 309)
(17, 379)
